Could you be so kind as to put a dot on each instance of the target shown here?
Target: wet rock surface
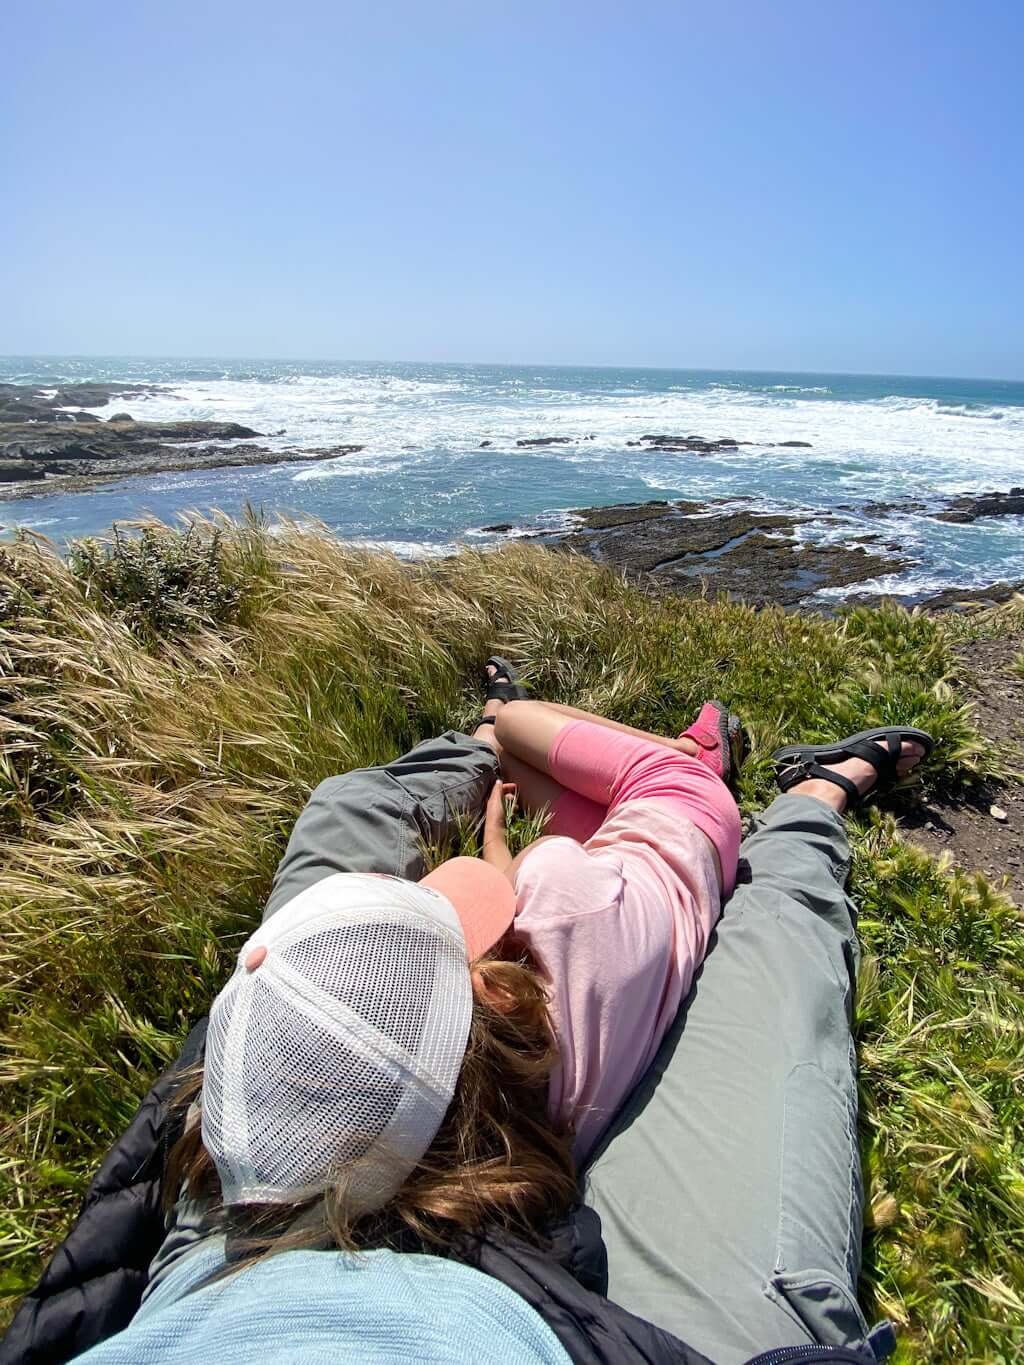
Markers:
(967, 509)
(691, 445)
(965, 599)
(691, 548)
(44, 449)
(39, 403)
(663, 443)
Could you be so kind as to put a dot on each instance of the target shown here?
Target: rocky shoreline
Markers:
(49, 445)
(693, 548)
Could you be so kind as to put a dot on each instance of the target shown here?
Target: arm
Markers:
(495, 845)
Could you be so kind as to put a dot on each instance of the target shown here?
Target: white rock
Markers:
(997, 813)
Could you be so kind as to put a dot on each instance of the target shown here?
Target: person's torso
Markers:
(618, 926)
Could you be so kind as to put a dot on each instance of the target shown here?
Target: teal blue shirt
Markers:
(326, 1307)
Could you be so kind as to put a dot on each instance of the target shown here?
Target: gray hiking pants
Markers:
(729, 1186)
(382, 819)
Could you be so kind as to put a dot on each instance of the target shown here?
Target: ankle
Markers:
(486, 734)
(827, 792)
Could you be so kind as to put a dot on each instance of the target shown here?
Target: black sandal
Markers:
(504, 686)
(798, 762)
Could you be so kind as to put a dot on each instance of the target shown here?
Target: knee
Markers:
(512, 716)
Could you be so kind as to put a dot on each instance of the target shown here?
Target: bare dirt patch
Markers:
(964, 826)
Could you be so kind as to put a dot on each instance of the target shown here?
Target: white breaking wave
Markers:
(893, 442)
(409, 549)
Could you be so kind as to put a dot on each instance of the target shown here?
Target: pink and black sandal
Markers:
(718, 734)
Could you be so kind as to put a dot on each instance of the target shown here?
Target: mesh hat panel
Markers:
(296, 1143)
(341, 1049)
(380, 987)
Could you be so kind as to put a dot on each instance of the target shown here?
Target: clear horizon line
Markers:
(501, 364)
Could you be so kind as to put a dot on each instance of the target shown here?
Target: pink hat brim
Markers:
(482, 898)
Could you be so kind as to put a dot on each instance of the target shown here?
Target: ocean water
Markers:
(422, 485)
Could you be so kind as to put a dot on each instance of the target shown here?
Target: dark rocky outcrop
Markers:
(72, 476)
(969, 599)
(501, 528)
(99, 395)
(794, 445)
(885, 509)
(664, 442)
(967, 509)
(693, 445)
(329, 452)
(43, 449)
(15, 471)
(42, 403)
(690, 548)
(108, 440)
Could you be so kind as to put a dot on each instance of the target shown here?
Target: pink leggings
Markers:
(601, 769)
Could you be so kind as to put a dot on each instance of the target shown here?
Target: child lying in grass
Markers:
(617, 901)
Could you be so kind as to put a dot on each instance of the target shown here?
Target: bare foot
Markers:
(860, 773)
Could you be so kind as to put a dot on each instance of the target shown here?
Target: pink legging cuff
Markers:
(603, 768)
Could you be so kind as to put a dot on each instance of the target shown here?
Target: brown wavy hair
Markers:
(497, 1160)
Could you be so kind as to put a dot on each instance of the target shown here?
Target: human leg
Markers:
(538, 722)
(729, 1187)
(380, 819)
(528, 730)
(609, 767)
(732, 1172)
(538, 792)
(680, 742)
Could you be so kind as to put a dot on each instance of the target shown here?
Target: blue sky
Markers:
(795, 185)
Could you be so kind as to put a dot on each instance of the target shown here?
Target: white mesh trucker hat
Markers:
(336, 1044)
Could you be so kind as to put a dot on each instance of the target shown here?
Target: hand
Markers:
(495, 814)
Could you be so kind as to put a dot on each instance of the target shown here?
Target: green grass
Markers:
(166, 709)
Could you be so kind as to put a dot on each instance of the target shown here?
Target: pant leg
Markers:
(729, 1188)
(380, 819)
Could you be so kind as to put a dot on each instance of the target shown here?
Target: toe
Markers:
(910, 756)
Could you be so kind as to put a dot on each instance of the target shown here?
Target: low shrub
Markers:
(161, 583)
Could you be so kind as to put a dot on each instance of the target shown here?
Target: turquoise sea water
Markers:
(423, 485)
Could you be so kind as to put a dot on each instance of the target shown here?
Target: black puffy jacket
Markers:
(94, 1283)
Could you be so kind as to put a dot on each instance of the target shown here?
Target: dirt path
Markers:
(976, 840)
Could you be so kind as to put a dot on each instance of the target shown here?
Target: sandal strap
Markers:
(882, 760)
(504, 686)
(505, 691)
(801, 772)
(487, 720)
